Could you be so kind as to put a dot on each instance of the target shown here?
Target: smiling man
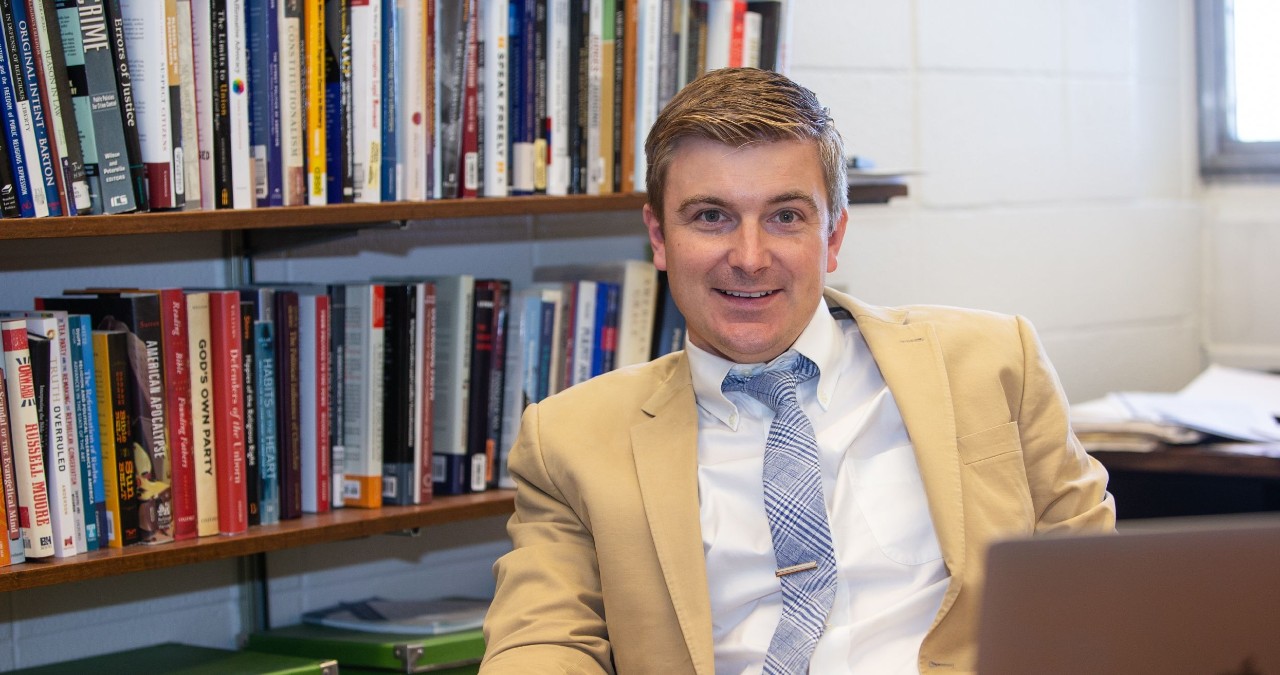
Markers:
(811, 484)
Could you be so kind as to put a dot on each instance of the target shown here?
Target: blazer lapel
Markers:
(665, 448)
(911, 361)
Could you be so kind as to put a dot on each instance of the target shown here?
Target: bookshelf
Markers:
(347, 523)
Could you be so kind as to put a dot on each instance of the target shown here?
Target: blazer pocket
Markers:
(989, 443)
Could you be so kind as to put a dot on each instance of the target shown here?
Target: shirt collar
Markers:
(820, 341)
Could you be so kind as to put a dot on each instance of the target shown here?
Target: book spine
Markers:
(411, 122)
(398, 366)
(80, 126)
(47, 342)
(35, 136)
(52, 65)
(497, 98)
(558, 71)
(115, 418)
(314, 70)
(228, 411)
(469, 169)
(264, 347)
(365, 329)
(220, 82)
(482, 343)
(366, 106)
(607, 123)
(425, 386)
(199, 341)
(337, 391)
(536, 121)
(154, 466)
(337, 76)
(291, 94)
(42, 107)
(392, 82)
(431, 101)
(260, 40)
(187, 112)
(202, 45)
(313, 381)
(178, 410)
(497, 381)
(249, 387)
(88, 440)
(593, 170)
(451, 37)
(128, 104)
(15, 155)
(144, 34)
(115, 176)
(288, 421)
(8, 475)
(455, 297)
(34, 512)
(239, 86)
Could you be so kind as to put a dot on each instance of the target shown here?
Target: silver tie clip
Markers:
(802, 567)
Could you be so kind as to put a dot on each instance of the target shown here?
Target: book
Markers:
(484, 316)
(610, 86)
(34, 514)
(314, 67)
(496, 97)
(239, 87)
(451, 463)
(362, 381)
(14, 158)
(399, 400)
(411, 111)
(291, 96)
(139, 314)
(178, 410)
(204, 39)
(200, 348)
(115, 420)
(337, 391)
(392, 85)
(315, 382)
(29, 50)
(558, 71)
(184, 54)
(390, 652)
(289, 374)
(451, 41)
(128, 104)
(424, 380)
(52, 68)
(339, 147)
(227, 366)
(262, 41)
(23, 94)
(249, 418)
(8, 478)
(172, 657)
(154, 88)
(366, 100)
(637, 305)
(88, 439)
(267, 401)
(469, 170)
(80, 125)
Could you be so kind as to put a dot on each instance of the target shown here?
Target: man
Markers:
(668, 520)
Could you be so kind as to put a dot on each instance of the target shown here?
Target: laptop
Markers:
(1180, 595)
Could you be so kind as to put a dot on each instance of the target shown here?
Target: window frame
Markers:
(1221, 154)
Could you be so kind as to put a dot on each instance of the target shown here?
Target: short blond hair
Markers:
(737, 106)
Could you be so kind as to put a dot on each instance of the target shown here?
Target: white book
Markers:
(292, 119)
(28, 452)
(497, 130)
(366, 99)
(144, 35)
(362, 384)
(190, 133)
(455, 295)
(595, 35)
(202, 70)
(584, 330)
(558, 17)
(719, 33)
(648, 47)
(241, 89)
(751, 24)
(71, 423)
(411, 131)
(199, 344)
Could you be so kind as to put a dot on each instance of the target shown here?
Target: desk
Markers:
(1193, 480)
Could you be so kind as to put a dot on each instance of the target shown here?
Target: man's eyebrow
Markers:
(783, 198)
(702, 200)
(795, 196)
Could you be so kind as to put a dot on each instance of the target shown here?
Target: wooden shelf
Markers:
(310, 529)
(345, 215)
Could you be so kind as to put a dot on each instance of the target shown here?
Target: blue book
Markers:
(268, 447)
(391, 68)
(27, 66)
(605, 342)
(13, 132)
(262, 36)
(88, 440)
(515, 93)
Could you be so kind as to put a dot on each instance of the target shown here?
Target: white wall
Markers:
(1055, 149)
(1242, 279)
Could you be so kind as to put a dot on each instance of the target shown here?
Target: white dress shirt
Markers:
(890, 574)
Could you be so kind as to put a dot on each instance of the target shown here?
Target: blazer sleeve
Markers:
(1068, 487)
(547, 614)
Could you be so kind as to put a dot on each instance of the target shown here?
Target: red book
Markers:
(228, 410)
(469, 174)
(177, 377)
(738, 35)
(315, 383)
(426, 390)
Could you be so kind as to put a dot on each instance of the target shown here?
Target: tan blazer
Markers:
(607, 572)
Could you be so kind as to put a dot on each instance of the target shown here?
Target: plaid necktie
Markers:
(797, 516)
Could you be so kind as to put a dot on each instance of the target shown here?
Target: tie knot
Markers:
(775, 386)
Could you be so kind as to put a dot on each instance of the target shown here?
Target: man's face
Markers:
(745, 243)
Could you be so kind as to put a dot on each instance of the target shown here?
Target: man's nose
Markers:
(750, 248)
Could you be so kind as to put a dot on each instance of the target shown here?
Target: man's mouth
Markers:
(746, 294)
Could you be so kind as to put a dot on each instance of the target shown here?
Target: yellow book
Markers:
(317, 177)
(110, 367)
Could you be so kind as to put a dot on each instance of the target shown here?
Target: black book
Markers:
(249, 367)
(8, 187)
(339, 158)
(288, 403)
(494, 442)
(770, 23)
(578, 73)
(399, 362)
(128, 106)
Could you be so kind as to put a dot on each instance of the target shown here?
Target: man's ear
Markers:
(656, 238)
(835, 238)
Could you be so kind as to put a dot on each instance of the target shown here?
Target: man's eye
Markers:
(710, 216)
(788, 217)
